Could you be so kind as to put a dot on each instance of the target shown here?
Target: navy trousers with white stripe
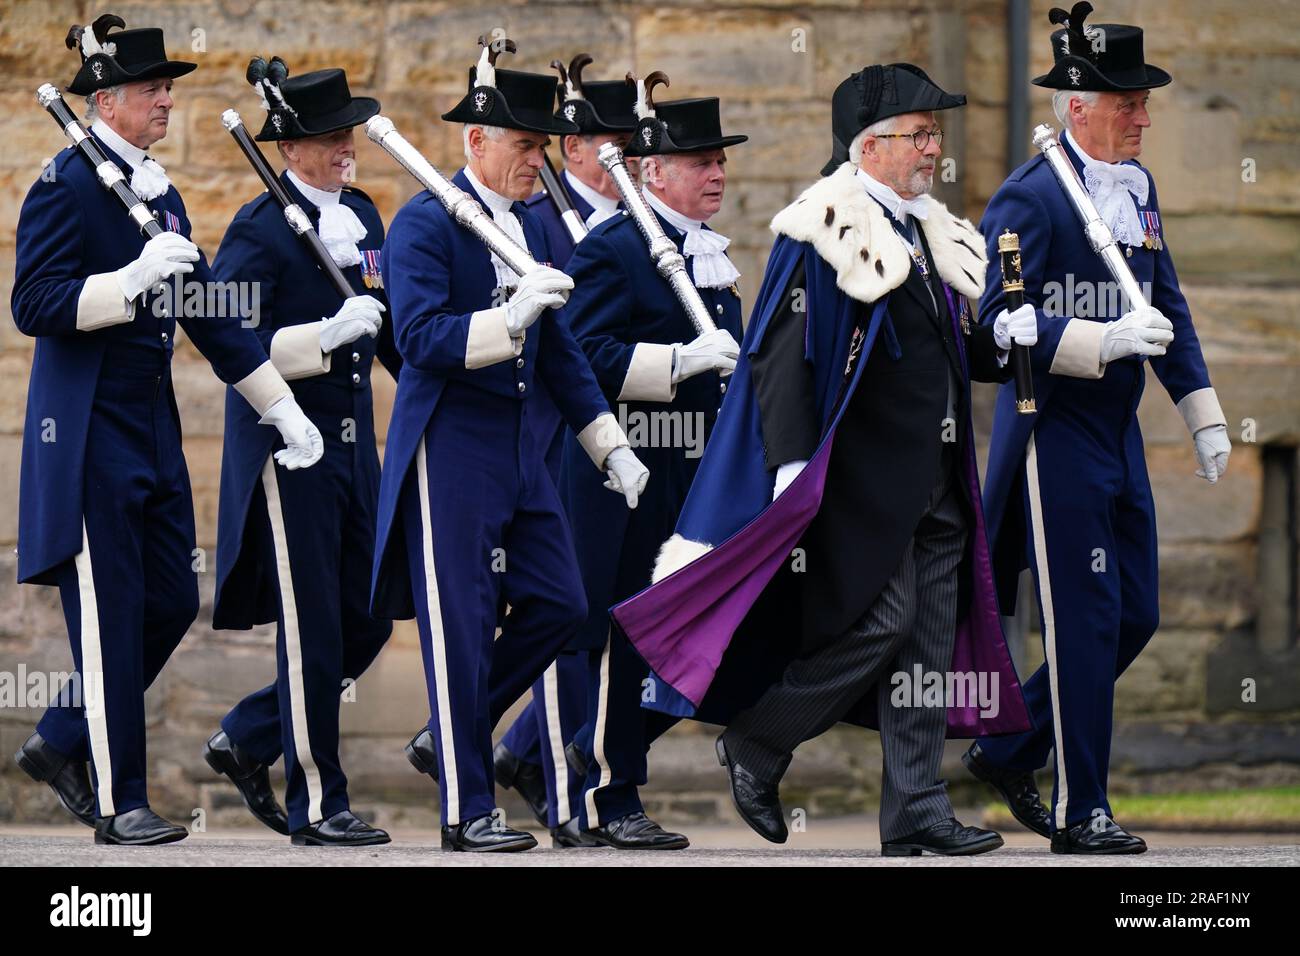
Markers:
(131, 594)
(549, 724)
(483, 523)
(319, 526)
(1090, 521)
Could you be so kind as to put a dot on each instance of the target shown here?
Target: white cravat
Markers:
(499, 206)
(602, 207)
(712, 269)
(1113, 187)
(340, 228)
(898, 207)
(148, 179)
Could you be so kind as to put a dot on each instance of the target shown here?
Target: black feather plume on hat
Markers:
(1076, 36)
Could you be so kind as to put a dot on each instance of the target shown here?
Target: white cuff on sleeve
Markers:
(1078, 353)
(102, 303)
(1200, 409)
(649, 375)
(296, 351)
(489, 339)
(601, 437)
(262, 387)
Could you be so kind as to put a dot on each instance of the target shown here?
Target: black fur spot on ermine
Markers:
(843, 230)
(830, 215)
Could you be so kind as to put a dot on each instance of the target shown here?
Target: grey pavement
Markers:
(843, 841)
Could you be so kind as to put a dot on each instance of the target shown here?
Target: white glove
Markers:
(626, 474)
(786, 474)
(1144, 331)
(712, 350)
(360, 315)
(543, 288)
(304, 446)
(1212, 450)
(162, 257)
(1020, 326)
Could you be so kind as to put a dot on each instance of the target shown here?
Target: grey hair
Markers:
(494, 133)
(1061, 103)
(887, 125)
(92, 108)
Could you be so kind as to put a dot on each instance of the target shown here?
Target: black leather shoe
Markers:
(947, 838)
(577, 760)
(422, 752)
(1016, 787)
(250, 778)
(343, 829)
(1098, 835)
(758, 801)
(69, 779)
(636, 831)
(526, 779)
(569, 836)
(138, 827)
(482, 835)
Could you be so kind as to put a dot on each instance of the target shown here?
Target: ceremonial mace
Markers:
(1097, 232)
(293, 213)
(462, 206)
(663, 251)
(109, 173)
(1013, 288)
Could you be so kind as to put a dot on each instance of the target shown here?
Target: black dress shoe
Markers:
(636, 831)
(343, 829)
(1016, 787)
(569, 836)
(577, 760)
(250, 778)
(758, 801)
(422, 752)
(138, 827)
(69, 779)
(484, 835)
(947, 838)
(526, 779)
(1098, 835)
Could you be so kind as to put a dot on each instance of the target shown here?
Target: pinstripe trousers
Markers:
(912, 622)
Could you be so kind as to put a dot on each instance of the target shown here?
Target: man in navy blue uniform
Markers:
(1067, 492)
(297, 549)
(668, 384)
(469, 518)
(531, 756)
(105, 511)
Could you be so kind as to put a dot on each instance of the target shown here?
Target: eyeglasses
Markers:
(920, 139)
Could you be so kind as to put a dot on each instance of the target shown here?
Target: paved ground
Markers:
(847, 841)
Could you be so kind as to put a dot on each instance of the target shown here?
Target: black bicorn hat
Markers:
(1106, 57)
(678, 126)
(307, 105)
(508, 98)
(878, 92)
(127, 56)
(596, 106)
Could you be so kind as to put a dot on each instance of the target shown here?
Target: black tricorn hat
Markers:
(307, 105)
(508, 98)
(878, 92)
(1105, 58)
(127, 56)
(596, 106)
(678, 126)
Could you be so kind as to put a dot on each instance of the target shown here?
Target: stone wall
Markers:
(1182, 723)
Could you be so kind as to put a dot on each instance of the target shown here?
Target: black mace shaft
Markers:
(1013, 288)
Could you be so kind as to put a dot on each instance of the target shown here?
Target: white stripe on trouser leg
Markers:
(94, 700)
(292, 643)
(555, 736)
(438, 645)
(598, 739)
(1049, 626)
